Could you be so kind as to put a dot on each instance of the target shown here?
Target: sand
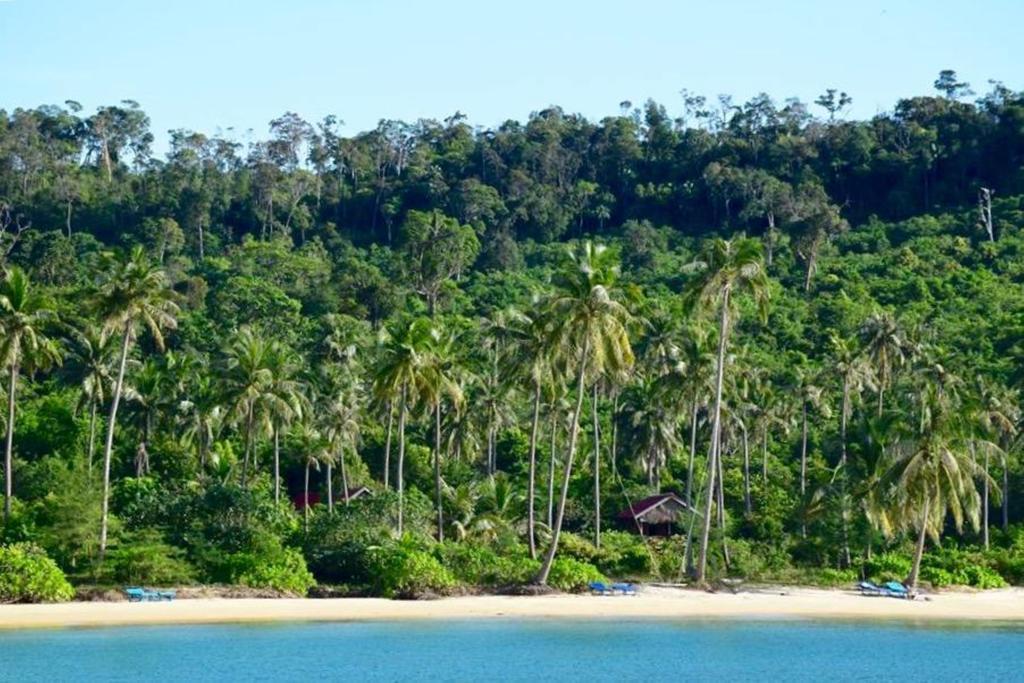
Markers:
(652, 602)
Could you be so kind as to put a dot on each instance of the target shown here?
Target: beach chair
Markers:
(600, 588)
(895, 589)
(871, 589)
(624, 588)
(135, 594)
(167, 595)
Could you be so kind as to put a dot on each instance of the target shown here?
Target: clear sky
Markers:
(216, 63)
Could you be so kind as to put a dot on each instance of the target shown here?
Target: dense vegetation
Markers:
(808, 328)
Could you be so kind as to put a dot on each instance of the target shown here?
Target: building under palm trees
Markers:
(657, 515)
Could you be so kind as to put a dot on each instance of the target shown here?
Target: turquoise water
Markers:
(534, 650)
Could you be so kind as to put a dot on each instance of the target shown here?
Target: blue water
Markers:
(533, 650)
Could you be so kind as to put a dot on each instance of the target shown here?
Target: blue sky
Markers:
(217, 64)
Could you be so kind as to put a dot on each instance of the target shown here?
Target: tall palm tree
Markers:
(855, 376)
(92, 368)
(728, 269)
(654, 417)
(932, 474)
(995, 414)
(440, 384)
(343, 420)
(589, 331)
(400, 377)
(248, 379)
(885, 346)
(24, 314)
(812, 398)
(313, 449)
(284, 400)
(134, 293)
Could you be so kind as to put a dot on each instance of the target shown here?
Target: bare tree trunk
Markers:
(532, 483)
(202, 241)
(1006, 493)
(344, 477)
(305, 500)
(330, 487)
(551, 466)
(9, 445)
(67, 218)
(597, 470)
(387, 445)
(92, 432)
(693, 449)
(248, 446)
(549, 557)
(401, 457)
(721, 507)
(984, 502)
(437, 470)
(842, 474)
(108, 449)
(919, 549)
(803, 469)
(615, 433)
(716, 416)
(764, 456)
(747, 504)
(277, 463)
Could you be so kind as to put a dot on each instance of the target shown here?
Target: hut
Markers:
(655, 515)
(354, 493)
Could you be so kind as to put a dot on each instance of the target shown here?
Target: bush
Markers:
(957, 567)
(571, 575)
(286, 572)
(144, 558)
(887, 567)
(28, 575)
(404, 568)
(480, 566)
(623, 554)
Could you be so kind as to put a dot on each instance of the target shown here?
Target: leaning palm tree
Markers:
(728, 269)
(589, 332)
(24, 314)
(932, 474)
(885, 346)
(400, 378)
(134, 293)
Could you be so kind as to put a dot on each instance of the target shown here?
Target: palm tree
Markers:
(24, 313)
(589, 332)
(654, 418)
(134, 293)
(400, 378)
(92, 367)
(932, 474)
(728, 269)
(313, 449)
(885, 346)
(284, 399)
(440, 383)
(248, 379)
(855, 375)
(811, 397)
(343, 425)
(995, 414)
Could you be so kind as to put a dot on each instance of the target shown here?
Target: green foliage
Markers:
(887, 567)
(573, 576)
(144, 558)
(282, 569)
(405, 568)
(479, 565)
(28, 575)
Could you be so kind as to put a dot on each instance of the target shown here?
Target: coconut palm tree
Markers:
(248, 379)
(400, 378)
(727, 270)
(589, 332)
(855, 376)
(24, 315)
(133, 294)
(654, 418)
(995, 414)
(886, 347)
(440, 384)
(92, 368)
(202, 414)
(343, 423)
(812, 398)
(284, 400)
(313, 449)
(932, 475)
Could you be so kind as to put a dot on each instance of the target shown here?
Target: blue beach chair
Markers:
(624, 588)
(600, 588)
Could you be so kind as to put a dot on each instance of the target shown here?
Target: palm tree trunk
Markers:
(803, 468)
(387, 445)
(693, 450)
(401, 457)
(597, 470)
(9, 445)
(305, 500)
(556, 529)
(721, 507)
(437, 470)
(764, 456)
(532, 482)
(716, 427)
(248, 446)
(92, 433)
(551, 466)
(747, 505)
(108, 448)
(344, 476)
(844, 513)
(915, 569)
(330, 487)
(615, 433)
(984, 502)
(277, 464)
(1006, 493)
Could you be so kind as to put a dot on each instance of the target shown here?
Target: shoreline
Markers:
(1004, 605)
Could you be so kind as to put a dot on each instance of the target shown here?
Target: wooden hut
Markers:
(656, 515)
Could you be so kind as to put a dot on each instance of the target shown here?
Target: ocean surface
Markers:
(520, 650)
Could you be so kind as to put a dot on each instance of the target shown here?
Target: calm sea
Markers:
(534, 650)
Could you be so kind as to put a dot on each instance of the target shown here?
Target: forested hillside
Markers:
(808, 328)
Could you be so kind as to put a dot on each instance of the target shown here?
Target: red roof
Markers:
(641, 507)
(299, 500)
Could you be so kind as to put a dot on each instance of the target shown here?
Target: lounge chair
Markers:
(870, 588)
(895, 589)
(138, 594)
(600, 588)
(167, 595)
(624, 588)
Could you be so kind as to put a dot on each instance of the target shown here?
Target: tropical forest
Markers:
(435, 358)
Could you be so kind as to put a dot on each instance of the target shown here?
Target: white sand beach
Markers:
(652, 602)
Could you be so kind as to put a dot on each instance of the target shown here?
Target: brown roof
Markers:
(642, 507)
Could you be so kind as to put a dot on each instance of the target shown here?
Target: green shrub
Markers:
(286, 572)
(28, 575)
(144, 558)
(576, 547)
(959, 567)
(405, 568)
(623, 554)
(887, 567)
(479, 565)
(571, 575)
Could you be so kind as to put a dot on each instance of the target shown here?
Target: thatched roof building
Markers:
(656, 515)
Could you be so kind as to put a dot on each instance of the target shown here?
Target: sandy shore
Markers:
(663, 603)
